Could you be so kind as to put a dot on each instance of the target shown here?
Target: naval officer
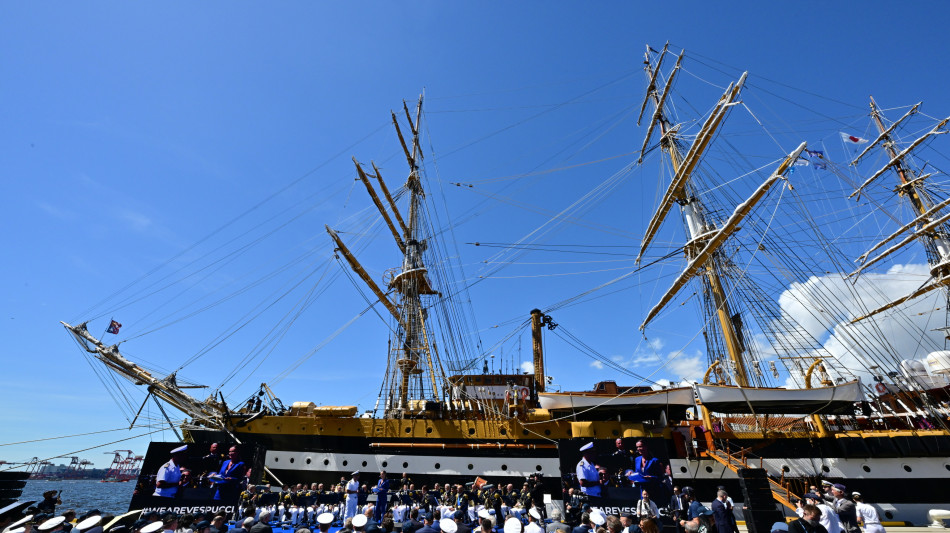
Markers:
(166, 481)
(587, 473)
(352, 495)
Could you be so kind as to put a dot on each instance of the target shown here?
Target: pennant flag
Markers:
(852, 139)
(114, 328)
(801, 162)
(815, 153)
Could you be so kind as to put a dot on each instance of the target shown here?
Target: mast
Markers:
(412, 355)
(695, 220)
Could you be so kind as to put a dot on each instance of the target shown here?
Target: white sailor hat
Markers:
(855, 493)
(19, 522)
(588, 446)
(54, 522)
(152, 527)
(14, 530)
(483, 513)
(89, 522)
(447, 525)
(355, 473)
(534, 513)
(359, 520)
(513, 525)
(325, 518)
(825, 483)
(598, 517)
(180, 449)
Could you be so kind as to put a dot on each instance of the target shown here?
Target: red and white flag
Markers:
(852, 139)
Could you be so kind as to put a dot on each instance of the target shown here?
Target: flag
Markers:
(817, 159)
(114, 328)
(479, 482)
(852, 139)
(801, 162)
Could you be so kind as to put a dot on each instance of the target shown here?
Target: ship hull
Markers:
(903, 484)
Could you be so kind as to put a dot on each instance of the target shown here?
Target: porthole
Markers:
(438, 466)
(471, 466)
(326, 462)
(276, 459)
(785, 468)
(889, 514)
(428, 430)
(308, 460)
(408, 429)
(385, 464)
(709, 470)
(824, 468)
(364, 464)
(537, 467)
(615, 432)
(405, 465)
(947, 466)
(291, 460)
(504, 467)
(503, 431)
(547, 431)
(471, 431)
(866, 468)
(907, 468)
(683, 469)
(344, 463)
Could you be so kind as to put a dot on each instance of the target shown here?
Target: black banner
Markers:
(195, 478)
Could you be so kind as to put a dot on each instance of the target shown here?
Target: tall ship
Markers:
(824, 393)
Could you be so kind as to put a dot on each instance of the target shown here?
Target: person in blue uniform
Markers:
(168, 476)
(231, 478)
(649, 472)
(382, 496)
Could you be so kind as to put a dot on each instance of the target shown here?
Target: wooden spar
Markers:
(651, 87)
(658, 112)
(361, 272)
(379, 206)
(904, 187)
(720, 236)
(885, 134)
(389, 198)
(919, 292)
(402, 140)
(537, 350)
(683, 172)
(900, 156)
(165, 389)
(926, 228)
(906, 227)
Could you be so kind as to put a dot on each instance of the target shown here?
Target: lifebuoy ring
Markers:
(880, 387)
(524, 393)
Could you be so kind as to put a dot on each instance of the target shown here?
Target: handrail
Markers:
(781, 493)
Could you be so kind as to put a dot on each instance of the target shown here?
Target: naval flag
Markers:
(852, 139)
(114, 328)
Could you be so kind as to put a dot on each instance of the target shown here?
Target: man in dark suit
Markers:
(584, 526)
(262, 525)
(725, 519)
(413, 524)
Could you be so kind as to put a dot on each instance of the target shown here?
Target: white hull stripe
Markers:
(413, 464)
(854, 468)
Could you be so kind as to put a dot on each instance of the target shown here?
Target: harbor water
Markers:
(83, 494)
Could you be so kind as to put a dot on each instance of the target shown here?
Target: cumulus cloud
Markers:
(597, 364)
(527, 366)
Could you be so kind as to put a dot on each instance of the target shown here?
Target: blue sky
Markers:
(131, 131)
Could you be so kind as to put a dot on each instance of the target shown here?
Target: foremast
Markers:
(929, 228)
(414, 370)
(704, 237)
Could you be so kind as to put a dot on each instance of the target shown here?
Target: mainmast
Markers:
(412, 354)
(703, 247)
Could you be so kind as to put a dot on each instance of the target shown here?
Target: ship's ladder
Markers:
(780, 491)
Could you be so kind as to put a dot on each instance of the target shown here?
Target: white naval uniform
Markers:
(867, 513)
(351, 499)
(588, 472)
(171, 473)
(533, 527)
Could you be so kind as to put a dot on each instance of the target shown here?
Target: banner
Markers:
(195, 477)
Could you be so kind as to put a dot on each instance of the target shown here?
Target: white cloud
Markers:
(686, 367)
(597, 364)
(527, 366)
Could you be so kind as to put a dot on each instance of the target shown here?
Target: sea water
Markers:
(83, 495)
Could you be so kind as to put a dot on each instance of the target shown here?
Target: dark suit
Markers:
(428, 529)
(725, 520)
(583, 528)
(411, 526)
(261, 527)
